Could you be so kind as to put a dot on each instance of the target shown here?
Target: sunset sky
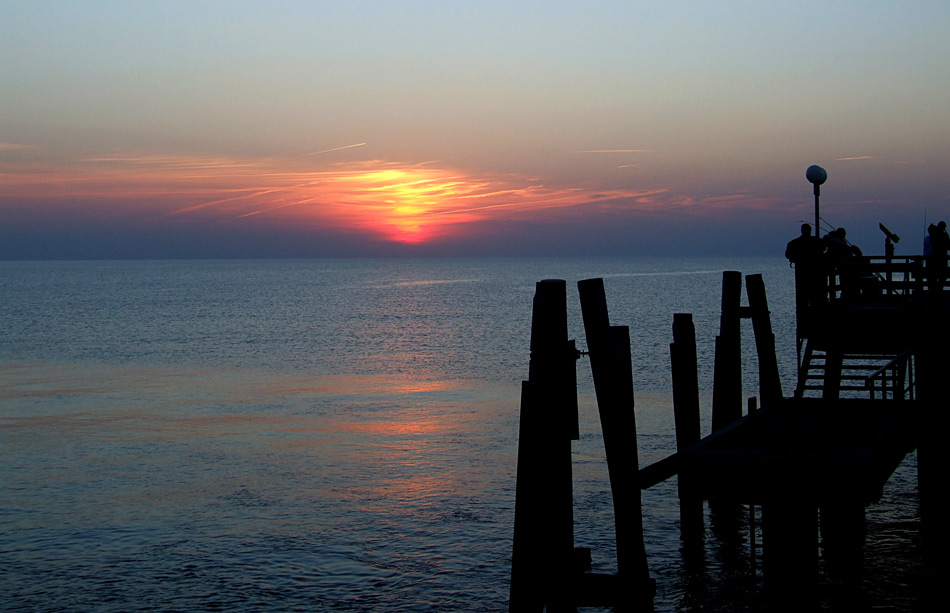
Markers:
(133, 129)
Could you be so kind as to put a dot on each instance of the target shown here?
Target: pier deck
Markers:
(815, 450)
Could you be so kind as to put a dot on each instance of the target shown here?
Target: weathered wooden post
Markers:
(834, 359)
(526, 592)
(790, 552)
(933, 461)
(727, 378)
(725, 513)
(686, 418)
(610, 360)
(685, 381)
(543, 544)
(842, 525)
(770, 385)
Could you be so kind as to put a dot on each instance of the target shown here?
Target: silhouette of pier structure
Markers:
(872, 337)
(861, 324)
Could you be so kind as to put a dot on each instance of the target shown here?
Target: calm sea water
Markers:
(334, 434)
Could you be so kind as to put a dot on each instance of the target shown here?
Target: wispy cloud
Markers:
(334, 149)
(852, 159)
(612, 151)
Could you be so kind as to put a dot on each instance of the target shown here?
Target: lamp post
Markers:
(816, 175)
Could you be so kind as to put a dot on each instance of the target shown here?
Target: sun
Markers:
(405, 205)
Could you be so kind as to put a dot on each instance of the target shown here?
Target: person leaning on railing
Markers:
(839, 251)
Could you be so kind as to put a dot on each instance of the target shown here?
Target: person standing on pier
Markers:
(805, 249)
(937, 260)
(805, 253)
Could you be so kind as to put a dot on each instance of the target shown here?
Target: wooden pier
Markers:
(872, 337)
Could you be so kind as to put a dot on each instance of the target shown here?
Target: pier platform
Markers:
(814, 450)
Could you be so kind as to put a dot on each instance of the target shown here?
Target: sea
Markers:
(342, 434)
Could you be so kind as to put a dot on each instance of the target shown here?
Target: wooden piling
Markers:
(686, 418)
(543, 547)
(842, 540)
(725, 512)
(610, 360)
(831, 387)
(685, 380)
(790, 552)
(727, 378)
(770, 384)
(527, 583)
(933, 461)
(553, 356)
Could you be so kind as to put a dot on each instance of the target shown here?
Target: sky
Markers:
(238, 129)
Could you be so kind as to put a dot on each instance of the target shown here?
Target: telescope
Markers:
(890, 235)
(889, 243)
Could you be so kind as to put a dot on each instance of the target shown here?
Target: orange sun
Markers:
(406, 205)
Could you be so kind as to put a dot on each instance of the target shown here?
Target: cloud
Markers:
(402, 202)
(612, 151)
(334, 149)
(851, 159)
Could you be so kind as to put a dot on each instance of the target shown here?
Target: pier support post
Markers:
(790, 553)
(611, 367)
(685, 381)
(724, 513)
(727, 377)
(831, 387)
(842, 540)
(933, 461)
(543, 547)
(686, 418)
(770, 384)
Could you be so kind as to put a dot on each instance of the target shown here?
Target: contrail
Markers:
(612, 151)
(334, 149)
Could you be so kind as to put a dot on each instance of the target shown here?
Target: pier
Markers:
(871, 336)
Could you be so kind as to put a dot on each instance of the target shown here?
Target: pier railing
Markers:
(867, 312)
(901, 278)
(894, 380)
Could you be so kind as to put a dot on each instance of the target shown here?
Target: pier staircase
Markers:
(827, 373)
(860, 326)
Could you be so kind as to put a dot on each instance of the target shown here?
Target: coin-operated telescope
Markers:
(889, 241)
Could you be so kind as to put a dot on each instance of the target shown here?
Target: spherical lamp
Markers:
(816, 175)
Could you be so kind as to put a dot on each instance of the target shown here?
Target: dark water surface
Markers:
(335, 434)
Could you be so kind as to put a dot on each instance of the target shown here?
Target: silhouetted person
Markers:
(805, 253)
(937, 261)
(806, 249)
(839, 251)
(837, 246)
